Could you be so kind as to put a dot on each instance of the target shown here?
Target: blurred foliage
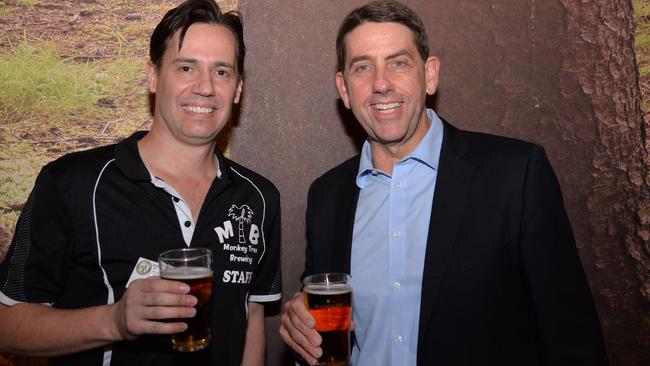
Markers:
(642, 22)
(51, 105)
(19, 2)
(641, 10)
(69, 82)
(35, 81)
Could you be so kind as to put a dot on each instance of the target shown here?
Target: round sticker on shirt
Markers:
(143, 268)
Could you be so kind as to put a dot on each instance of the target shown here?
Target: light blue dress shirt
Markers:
(389, 242)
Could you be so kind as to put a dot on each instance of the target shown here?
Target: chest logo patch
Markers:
(242, 216)
(239, 236)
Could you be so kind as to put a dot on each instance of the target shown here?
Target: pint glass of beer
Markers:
(329, 300)
(192, 266)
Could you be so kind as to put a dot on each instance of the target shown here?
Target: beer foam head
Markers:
(332, 289)
(186, 273)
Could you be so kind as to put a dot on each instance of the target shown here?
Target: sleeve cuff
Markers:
(265, 298)
(5, 300)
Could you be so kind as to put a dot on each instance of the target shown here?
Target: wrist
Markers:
(112, 329)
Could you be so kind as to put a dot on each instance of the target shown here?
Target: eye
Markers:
(223, 73)
(361, 68)
(184, 68)
(399, 64)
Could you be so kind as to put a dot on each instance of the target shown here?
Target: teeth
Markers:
(386, 106)
(197, 109)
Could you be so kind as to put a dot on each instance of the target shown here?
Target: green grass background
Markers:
(63, 90)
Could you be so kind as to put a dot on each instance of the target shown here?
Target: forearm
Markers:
(41, 331)
(255, 338)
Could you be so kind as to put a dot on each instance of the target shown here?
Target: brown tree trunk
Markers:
(618, 201)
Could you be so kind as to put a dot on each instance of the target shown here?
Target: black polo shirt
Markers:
(93, 214)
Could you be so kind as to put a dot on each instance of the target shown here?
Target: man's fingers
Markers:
(164, 299)
(148, 301)
(284, 333)
(290, 333)
(167, 312)
(160, 285)
(152, 327)
(145, 320)
(302, 320)
(297, 330)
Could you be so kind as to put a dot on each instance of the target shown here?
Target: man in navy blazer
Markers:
(458, 243)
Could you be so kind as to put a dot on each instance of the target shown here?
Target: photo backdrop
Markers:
(561, 73)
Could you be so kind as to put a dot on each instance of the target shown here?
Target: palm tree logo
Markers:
(241, 214)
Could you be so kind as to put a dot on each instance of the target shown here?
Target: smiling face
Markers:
(385, 82)
(195, 86)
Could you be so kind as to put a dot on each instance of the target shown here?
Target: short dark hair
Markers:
(188, 13)
(382, 11)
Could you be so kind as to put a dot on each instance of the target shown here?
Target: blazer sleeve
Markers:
(567, 319)
(309, 257)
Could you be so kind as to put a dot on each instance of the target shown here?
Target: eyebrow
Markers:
(387, 58)
(194, 61)
(398, 54)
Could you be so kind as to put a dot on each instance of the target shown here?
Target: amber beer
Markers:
(329, 300)
(193, 267)
(197, 335)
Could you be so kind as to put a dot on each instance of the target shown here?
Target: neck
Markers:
(165, 157)
(385, 155)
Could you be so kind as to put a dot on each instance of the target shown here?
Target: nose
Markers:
(381, 83)
(203, 84)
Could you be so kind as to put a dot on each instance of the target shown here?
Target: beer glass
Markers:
(329, 300)
(192, 266)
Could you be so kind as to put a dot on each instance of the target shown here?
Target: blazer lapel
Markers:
(452, 183)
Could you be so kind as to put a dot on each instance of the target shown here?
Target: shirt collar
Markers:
(426, 152)
(160, 183)
(127, 158)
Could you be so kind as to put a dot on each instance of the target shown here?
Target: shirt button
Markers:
(396, 285)
(176, 199)
(398, 185)
(188, 224)
(399, 339)
(396, 234)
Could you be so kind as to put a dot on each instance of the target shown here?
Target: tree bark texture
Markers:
(618, 201)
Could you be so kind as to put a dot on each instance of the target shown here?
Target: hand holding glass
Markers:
(192, 266)
(329, 300)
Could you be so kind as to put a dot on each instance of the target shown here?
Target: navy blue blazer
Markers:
(502, 282)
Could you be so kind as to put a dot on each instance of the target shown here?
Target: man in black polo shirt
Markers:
(71, 285)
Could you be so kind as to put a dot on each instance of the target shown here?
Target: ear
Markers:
(342, 88)
(152, 77)
(240, 86)
(431, 73)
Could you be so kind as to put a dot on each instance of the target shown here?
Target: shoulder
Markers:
(341, 173)
(246, 176)
(336, 183)
(482, 147)
(79, 167)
